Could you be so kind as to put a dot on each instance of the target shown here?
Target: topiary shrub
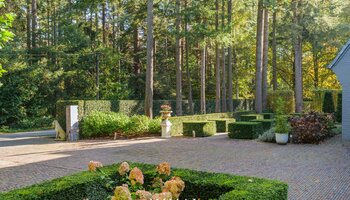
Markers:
(286, 95)
(137, 125)
(222, 124)
(328, 103)
(154, 126)
(338, 114)
(311, 128)
(268, 115)
(201, 128)
(247, 118)
(267, 123)
(245, 130)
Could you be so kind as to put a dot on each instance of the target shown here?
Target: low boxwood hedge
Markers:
(247, 118)
(199, 185)
(267, 123)
(201, 128)
(245, 130)
(268, 115)
(222, 124)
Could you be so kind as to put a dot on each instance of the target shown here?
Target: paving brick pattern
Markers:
(312, 171)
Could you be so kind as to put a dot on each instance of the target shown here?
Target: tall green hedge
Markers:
(134, 107)
(328, 103)
(198, 185)
(319, 97)
(286, 95)
(201, 128)
(339, 107)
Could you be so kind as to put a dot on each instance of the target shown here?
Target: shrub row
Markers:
(136, 107)
(198, 185)
(247, 118)
(201, 128)
(323, 99)
(222, 124)
(177, 122)
(245, 130)
(99, 124)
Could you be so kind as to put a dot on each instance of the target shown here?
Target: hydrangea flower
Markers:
(143, 195)
(175, 186)
(124, 168)
(163, 168)
(162, 196)
(122, 193)
(93, 165)
(136, 176)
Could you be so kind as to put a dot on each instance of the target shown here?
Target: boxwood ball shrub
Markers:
(201, 128)
(245, 130)
(198, 185)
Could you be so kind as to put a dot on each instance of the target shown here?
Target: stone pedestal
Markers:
(72, 123)
(166, 127)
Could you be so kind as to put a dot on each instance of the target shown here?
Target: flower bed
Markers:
(203, 185)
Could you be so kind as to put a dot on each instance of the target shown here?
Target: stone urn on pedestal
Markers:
(166, 124)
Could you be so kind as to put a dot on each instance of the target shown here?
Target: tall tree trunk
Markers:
(104, 33)
(203, 55)
(230, 71)
(274, 51)
(217, 66)
(28, 28)
(34, 23)
(149, 70)
(316, 63)
(223, 66)
(177, 61)
(113, 27)
(259, 58)
(265, 58)
(190, 98)
(298, 57)
(137, 64)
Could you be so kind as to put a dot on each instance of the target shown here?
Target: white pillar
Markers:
(166, 127)
(72, 123)
(346, 113)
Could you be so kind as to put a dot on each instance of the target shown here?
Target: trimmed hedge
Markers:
(177, 128)
(247, 118)
(136, 107)
(268, 115)
(267, 123)
(203, 185)
(286, 95)
(202, 128)
(328, 103)
(245, 130)
(319, 97)
(222, 124)
(339, 107)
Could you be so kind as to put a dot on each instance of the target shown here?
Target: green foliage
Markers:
(245, 130)
(38, 122)
(177, 126)
(268, 136)
(203, 185)
(247, 118)
(267, 123)
(339, 107)
(201, 128)
(268, 115)
(100, 124)
(328, 104)
(222, 124)
(282, 125)
(286, 95)
(319, 98)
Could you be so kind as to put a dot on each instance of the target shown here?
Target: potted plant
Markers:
(282, 127)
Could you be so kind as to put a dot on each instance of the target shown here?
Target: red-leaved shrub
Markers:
(311, 128)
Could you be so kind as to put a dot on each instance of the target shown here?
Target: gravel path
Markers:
(312, 171)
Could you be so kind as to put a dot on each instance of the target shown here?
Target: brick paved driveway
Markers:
(312, 171)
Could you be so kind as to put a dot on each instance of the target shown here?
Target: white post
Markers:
(166, 127)
(72, 123)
